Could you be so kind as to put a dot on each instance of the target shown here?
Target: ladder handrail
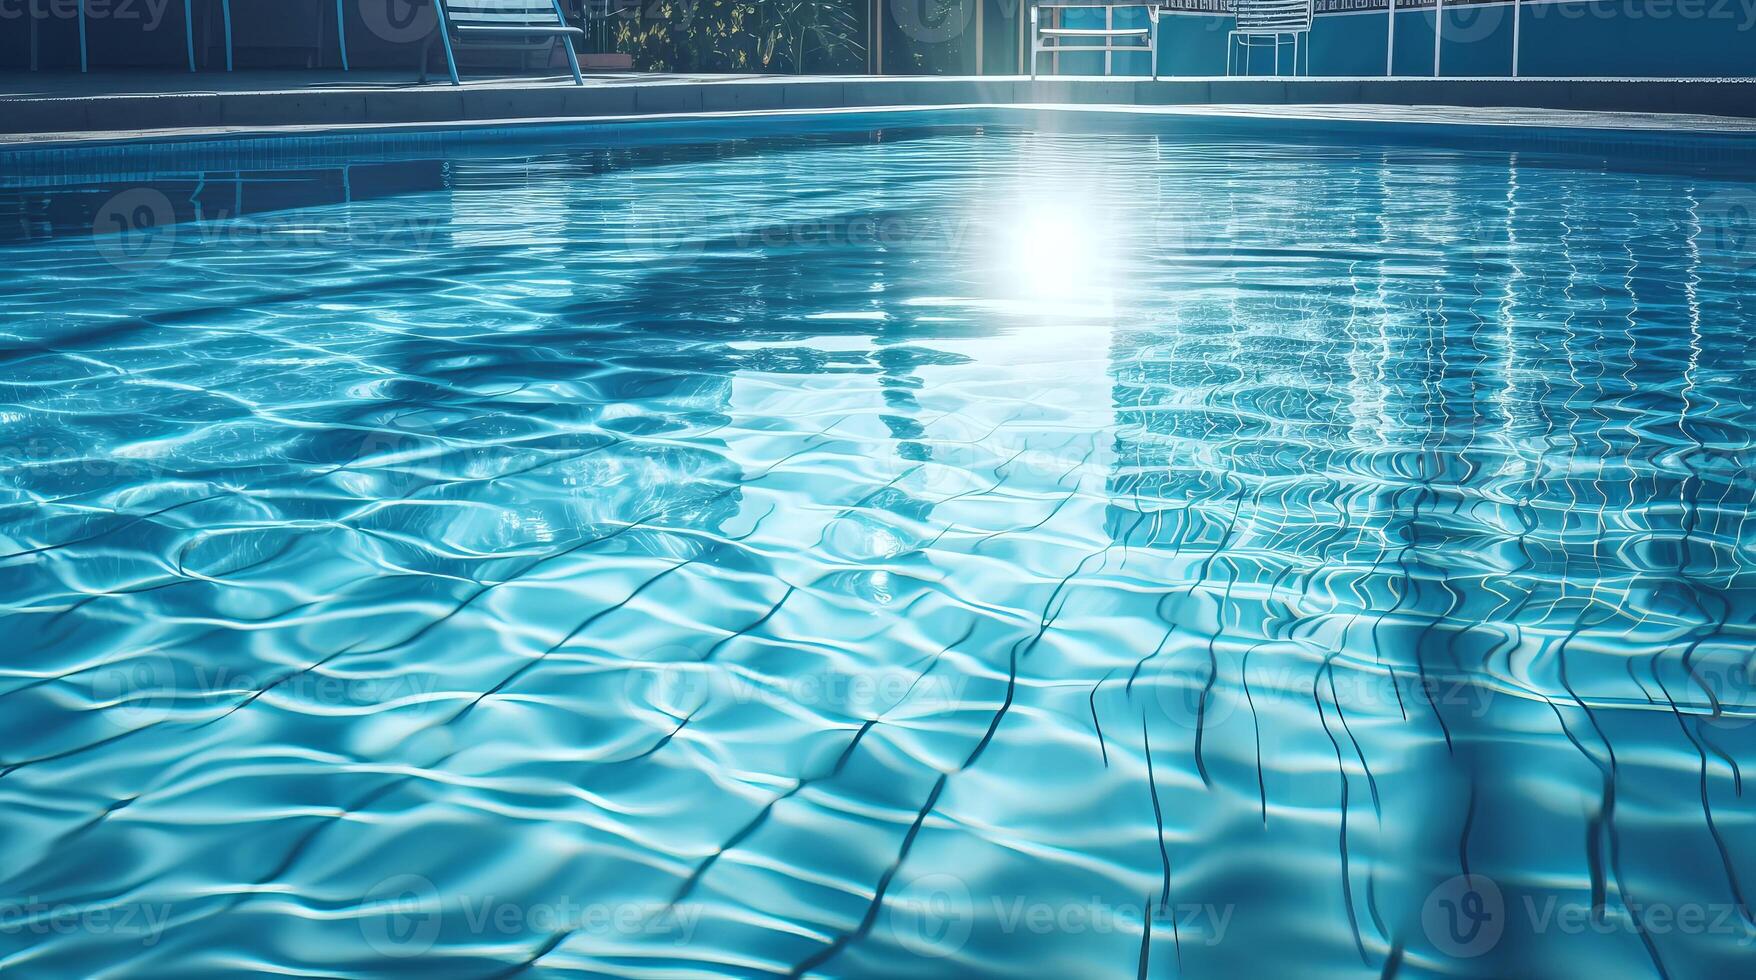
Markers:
(1039, 36)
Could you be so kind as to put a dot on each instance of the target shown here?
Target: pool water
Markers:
(946, 547)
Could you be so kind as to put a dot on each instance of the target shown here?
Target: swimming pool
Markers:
(960, 543)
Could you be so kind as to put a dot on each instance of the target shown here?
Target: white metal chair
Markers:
(1275, 20)
(501, 23)
(1053, 37)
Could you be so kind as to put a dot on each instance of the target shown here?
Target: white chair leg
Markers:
(445, 36)
(566, 42)
(1152, 41)
(341, 32)
(451, 62)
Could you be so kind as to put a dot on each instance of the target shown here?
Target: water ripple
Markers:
(949, 549)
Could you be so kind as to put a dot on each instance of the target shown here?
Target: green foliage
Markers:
(787, 36)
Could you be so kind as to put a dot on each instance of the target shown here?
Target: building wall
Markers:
(266, 33)
(1643, 38)
(1558, 37)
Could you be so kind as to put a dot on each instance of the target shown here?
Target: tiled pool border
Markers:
(1629, 139)
(112, 118)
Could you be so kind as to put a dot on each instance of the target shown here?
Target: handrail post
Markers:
(566, 41)
(341, 33)
(1516, 5)
(445, 37)
(1390, 39)
(1152, 42)
(1438, 32)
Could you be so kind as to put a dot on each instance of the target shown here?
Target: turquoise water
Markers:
(947, 549)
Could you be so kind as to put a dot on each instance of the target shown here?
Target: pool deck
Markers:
(42, 109)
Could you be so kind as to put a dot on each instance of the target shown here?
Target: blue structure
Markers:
(1556, 38)
(341, 35)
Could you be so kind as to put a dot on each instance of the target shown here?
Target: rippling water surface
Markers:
(951, 550)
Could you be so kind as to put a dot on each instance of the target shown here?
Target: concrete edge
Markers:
(1438, 120)
(107, 120)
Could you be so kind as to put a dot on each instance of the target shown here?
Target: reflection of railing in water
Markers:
(1529, 526)
(205, 196)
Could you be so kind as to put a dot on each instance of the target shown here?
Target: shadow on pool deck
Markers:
(67, 84)
(45, 107)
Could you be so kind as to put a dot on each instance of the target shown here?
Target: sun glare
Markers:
(1057, 259)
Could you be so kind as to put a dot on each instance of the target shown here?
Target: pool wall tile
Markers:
(668, 98)
(42, 122)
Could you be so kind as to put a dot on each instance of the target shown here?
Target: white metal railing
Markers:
(1439, 36)
(1275, 20)
(487, 20)
(1052, 38)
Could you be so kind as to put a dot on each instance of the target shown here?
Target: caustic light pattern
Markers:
(947, 551)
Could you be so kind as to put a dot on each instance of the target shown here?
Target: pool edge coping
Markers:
(1441, 118)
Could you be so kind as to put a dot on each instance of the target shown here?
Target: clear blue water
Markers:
(946, 550)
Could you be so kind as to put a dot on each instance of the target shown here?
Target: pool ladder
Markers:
(1053, 37)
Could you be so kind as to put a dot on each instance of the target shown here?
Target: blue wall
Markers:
(267, 33)
(1560, 38)
(1574, 38)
